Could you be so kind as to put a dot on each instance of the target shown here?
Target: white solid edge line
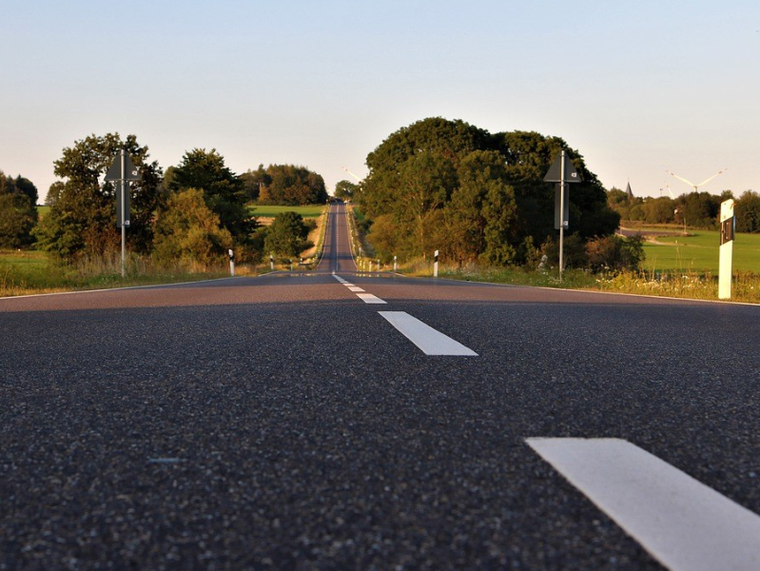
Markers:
(684, 524)
(430, 341)
(371, 299)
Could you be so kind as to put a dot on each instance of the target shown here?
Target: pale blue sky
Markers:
(637, 87)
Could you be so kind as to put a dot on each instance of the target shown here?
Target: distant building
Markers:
(629, 192)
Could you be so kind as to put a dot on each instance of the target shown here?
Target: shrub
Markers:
(615, 253)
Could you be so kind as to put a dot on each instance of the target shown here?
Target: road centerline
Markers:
(429, 340)
(371, 299)
(683, 523)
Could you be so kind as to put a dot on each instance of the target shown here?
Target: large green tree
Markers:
(491, 203)
(223, 190)
(82, 217)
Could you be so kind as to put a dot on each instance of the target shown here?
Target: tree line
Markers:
(189, 215)
(446, 185)
(696, 209)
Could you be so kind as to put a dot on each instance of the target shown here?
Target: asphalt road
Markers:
(281, 422)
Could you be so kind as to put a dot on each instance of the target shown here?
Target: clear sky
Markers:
(638, 87)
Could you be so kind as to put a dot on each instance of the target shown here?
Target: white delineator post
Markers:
(232, 263)
(271, 262)
(727, 221)
(435, 265)
(395, 263)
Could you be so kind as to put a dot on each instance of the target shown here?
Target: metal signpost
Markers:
(562, 171)
(727, 226)
(122, 171)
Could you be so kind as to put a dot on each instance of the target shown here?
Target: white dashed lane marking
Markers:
(684, 524)
(429, 340)
(370, 299)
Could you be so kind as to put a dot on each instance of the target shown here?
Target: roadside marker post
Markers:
(395, 263)
(727, 227)
(271, 262)
(232, 262)
(435, 265)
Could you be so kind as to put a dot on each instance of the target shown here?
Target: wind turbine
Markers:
(696, 186)
(352, 174)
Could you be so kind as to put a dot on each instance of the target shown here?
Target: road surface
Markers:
(334, 420)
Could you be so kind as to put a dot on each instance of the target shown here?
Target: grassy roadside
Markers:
(668, 283)
(31, 272)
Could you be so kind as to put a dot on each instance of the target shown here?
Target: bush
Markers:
(188, 233)
(615, 253)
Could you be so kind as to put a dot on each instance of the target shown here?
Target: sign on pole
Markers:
(727, 226)
(122, 171)
(561, 203)
(562, 172)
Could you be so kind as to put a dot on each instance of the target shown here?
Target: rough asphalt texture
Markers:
(281, 423)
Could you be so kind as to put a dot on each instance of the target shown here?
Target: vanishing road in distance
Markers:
(338, 420)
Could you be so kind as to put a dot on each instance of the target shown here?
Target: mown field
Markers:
(700, 252)
(270, 211)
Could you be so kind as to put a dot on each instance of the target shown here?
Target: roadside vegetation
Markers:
(478, 198)
(183, 221)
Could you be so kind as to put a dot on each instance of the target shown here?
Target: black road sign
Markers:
(130, 172)
(554, 174)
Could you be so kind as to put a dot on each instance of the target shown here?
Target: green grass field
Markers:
(270, 211)
(25, 270)
(700, 252)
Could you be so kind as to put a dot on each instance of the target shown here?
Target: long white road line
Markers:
(429, 340)
(684, 524)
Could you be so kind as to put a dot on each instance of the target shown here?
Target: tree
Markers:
(291, 185)
(254, 181)
(223, 191)
(697, 209)
(18, 211)
(416, 178)
(747, 211)
(82, 219)
(188, 232)
(345, 189)
(481, 210)
(658, 210)
(287, 235)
